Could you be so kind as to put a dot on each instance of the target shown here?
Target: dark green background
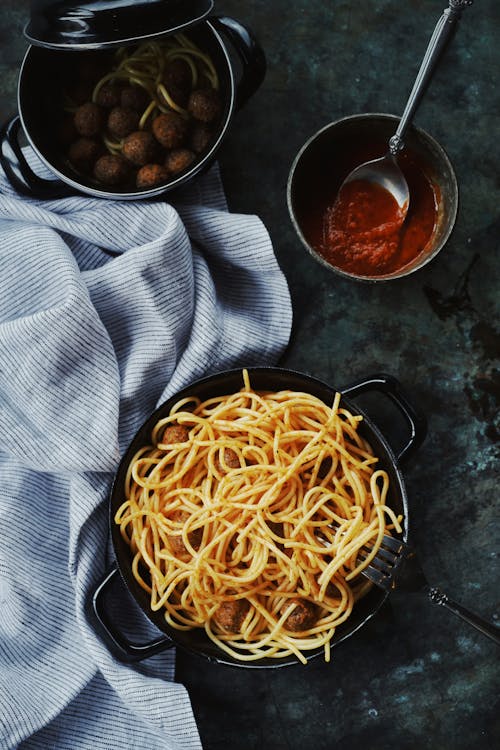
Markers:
(415, 677)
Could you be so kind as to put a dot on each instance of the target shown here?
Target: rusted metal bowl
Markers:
(320, 160)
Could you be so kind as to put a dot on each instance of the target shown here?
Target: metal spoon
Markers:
(385, 171)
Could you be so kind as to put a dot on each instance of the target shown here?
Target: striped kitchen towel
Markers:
(106, 309)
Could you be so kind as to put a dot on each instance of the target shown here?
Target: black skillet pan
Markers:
(261, 379)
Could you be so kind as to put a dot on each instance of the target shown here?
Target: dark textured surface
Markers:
(415, 677)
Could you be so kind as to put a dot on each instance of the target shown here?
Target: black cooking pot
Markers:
(262, 379)
(60, 31)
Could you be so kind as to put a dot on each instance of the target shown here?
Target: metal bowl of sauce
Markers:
(358, 236)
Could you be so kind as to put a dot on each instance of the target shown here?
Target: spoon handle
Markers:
(485, 627)
(439, 39)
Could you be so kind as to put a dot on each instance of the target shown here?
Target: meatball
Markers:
(178, 74)
(134, 97)
(83, 153)
(139, 147)
(108, 96)
(231, 460)
(201, 136)
(302, 617)
(177, 81)
(151, 175)
(170, 129)
(277, 528)
(179, 159)
(111, 169)
(89, 119)
(175, 433)
(175, 540)
(204, 104)
(122, 121)
(230, 615)
(80, 93)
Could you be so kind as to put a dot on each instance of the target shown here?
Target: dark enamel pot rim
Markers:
(261, 379)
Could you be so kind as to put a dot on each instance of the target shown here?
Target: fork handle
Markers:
(486, 628)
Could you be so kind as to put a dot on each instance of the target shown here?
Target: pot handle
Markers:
(392, 388)
(31, 184)
(123, 649)
(250, 53)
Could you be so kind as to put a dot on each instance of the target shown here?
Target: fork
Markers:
(387, 571)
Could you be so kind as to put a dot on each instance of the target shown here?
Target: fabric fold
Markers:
(106, 309)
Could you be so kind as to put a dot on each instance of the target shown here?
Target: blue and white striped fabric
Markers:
(89, 345)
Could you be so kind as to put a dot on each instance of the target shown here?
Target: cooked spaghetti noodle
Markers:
(146, 67)
(246, 517)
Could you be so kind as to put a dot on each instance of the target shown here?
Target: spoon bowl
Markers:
(320, 166)
(386, 173)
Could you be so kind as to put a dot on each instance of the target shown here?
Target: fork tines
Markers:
(381, 569)
(392, 543)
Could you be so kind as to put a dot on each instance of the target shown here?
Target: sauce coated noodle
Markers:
(246, 515)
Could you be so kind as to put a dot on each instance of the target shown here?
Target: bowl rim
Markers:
(405, 270)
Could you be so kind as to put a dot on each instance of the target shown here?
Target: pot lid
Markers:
(96, 24)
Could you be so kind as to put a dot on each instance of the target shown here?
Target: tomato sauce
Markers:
(361, 230)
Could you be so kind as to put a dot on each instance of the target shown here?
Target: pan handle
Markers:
(123, 649)
(18, 171)
(250, 53)
(392, 388)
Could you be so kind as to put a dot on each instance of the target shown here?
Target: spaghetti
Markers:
(246, 517)
(148, 67)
